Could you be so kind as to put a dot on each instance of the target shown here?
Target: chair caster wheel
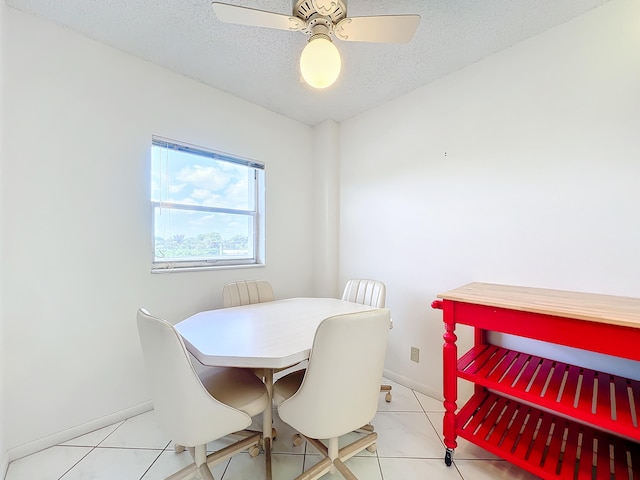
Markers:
(387, 397)
(254, 451)
(297, 440)
(448, 457)
(368, 427)
(372, 448)
(178, 448)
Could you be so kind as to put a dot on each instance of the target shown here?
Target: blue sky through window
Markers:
(190, 179)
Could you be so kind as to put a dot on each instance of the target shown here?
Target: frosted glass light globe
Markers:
(320, 63)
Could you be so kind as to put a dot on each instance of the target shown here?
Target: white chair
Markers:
(368, 292)
(365, 292)
(246, 292)
(193, 409)
(338, 392)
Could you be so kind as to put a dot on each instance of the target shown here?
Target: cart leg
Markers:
(450, 384)
(448, 457)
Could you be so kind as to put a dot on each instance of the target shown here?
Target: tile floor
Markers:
(409, 447)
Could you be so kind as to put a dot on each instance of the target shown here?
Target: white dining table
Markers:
(270, 335)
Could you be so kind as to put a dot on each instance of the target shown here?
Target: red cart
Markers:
(554, 419)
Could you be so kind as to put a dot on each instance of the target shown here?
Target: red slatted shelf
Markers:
(547, 445)
(606, 401)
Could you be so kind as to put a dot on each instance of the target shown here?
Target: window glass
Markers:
(207, 207)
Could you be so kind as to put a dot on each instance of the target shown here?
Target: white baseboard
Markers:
(412, 384)
(73, 432)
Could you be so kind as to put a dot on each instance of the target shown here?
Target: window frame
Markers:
(257, 214)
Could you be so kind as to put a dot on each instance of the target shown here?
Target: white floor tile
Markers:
(93, 439)
(491, 470)
(403, 399)
(49, 464)
(112, 463)
(417, 468)
(429, 404)
(170, 462)
(362, 467)
(406, 434)
(244, 467)
(141, 431)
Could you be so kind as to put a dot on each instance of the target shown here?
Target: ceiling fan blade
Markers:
(381, 29)
(257, 18)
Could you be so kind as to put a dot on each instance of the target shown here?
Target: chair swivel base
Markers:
(249, 443)
(328, 464)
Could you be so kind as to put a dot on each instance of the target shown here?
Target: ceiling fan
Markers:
(321, 19)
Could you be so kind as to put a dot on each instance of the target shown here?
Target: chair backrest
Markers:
(366, 292)
(246, 292)
(341, 386)
(184, 409)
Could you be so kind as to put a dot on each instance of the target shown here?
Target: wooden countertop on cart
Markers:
(624, 311)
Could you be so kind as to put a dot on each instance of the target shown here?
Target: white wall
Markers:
(521, 169)
(3, 451)
(76, 250)
(327, 206)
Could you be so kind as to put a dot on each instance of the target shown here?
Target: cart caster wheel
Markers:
(297, 440)
(372, 448)
(448, 457)
(254, 451)
(178, 448)
(387, 397)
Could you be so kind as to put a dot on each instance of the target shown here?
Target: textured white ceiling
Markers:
(261, 65)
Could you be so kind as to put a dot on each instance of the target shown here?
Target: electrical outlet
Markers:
(415, 354)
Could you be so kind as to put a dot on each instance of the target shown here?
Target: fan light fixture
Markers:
(320, 61)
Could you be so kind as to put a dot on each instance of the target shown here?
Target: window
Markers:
(208, 207)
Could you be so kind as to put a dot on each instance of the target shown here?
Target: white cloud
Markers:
(176, 188)
(209, 178)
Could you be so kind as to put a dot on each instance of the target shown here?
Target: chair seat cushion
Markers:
(286, 386)
(237, 387)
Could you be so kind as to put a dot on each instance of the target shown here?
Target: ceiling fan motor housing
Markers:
(335, 10)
